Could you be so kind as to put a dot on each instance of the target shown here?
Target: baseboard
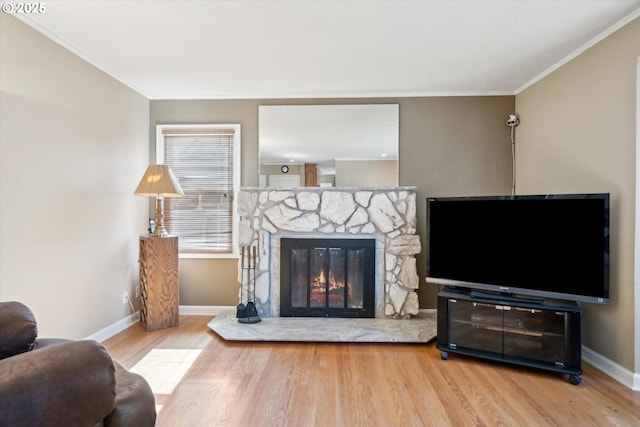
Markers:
(117, 327)
(203, 310)
(185, 310)
(611, 368)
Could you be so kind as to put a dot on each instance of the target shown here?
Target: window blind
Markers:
(202, 161)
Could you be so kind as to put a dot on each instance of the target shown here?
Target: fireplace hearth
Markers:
(327, 277)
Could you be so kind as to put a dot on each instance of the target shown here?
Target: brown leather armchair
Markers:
(57, 382)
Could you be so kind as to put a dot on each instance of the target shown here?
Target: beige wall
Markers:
(211, 282)
(74, 144)
(448, 146)
(269, 170)
(366, 173)
(577, 134)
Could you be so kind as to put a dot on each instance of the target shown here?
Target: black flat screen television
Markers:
(548, 246)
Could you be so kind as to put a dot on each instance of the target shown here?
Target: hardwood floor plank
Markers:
(357, 384)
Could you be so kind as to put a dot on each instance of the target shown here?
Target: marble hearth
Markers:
(421, 328)
(387, 215)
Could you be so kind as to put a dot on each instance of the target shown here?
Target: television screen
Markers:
(549, 246)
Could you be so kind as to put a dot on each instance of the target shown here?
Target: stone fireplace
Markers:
(386, 215)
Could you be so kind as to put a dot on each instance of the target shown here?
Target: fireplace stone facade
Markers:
(387, 215)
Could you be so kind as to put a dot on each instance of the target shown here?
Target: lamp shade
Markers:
(159, 180)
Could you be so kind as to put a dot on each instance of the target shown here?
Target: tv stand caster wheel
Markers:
(444, 355)
(575, 379)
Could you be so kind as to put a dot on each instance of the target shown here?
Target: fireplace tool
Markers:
(248, 313)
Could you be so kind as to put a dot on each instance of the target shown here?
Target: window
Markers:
(206, 161)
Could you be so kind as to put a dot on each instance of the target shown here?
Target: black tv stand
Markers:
(541, 335)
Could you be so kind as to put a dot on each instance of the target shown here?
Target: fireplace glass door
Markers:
(327, 277)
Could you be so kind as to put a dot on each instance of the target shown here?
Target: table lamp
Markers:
(159, 182)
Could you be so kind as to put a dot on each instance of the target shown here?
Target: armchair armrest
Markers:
(72, 383)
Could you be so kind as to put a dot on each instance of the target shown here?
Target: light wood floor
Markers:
(319, 384)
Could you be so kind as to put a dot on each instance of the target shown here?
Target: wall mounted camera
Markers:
(513, 120)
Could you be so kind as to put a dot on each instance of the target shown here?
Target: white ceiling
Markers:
(311, 48)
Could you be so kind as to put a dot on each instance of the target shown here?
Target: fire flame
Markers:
(332, 284)
(321, 278)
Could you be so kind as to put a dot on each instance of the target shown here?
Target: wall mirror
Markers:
(328, 145)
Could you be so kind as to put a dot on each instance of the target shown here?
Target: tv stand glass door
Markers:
(540, 335)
